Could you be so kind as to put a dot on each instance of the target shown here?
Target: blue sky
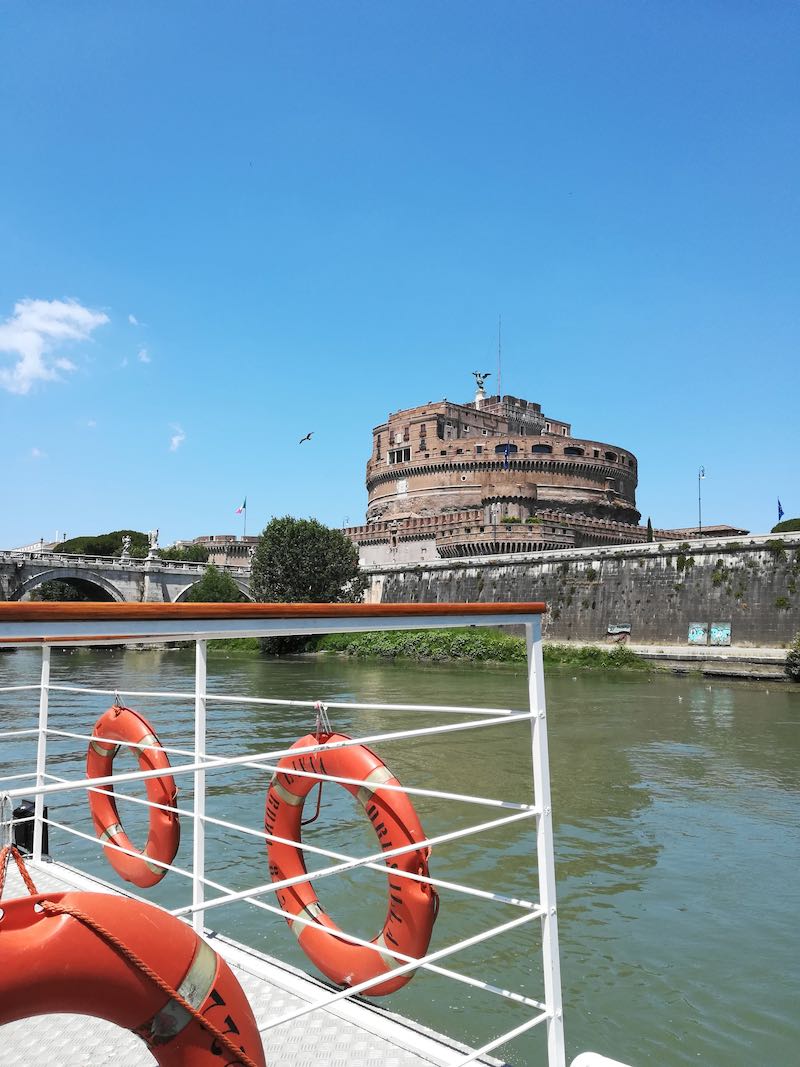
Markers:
(260, 219)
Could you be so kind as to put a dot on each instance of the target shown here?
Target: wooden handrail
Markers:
(52, 611)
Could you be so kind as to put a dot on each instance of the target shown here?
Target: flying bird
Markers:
(306, 438)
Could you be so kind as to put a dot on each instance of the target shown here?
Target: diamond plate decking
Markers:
(348, 1033)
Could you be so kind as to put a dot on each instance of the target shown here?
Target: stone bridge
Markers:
(152, 579)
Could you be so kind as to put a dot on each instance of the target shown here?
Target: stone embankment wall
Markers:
(657, 589)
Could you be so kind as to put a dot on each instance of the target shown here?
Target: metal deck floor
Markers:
(349, 1033)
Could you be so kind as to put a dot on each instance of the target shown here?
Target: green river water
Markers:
(677, 826)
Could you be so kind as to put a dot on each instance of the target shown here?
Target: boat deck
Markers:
(351, 1032)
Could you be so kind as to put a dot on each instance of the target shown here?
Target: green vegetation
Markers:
(474, 644)
(189, 554)
(110, 544)
(793, 660)
(107, 544)
(215, 587)
(782, 603)
(777, 546)
(302, 561)
(64, 591)
(602, 657)
(235, 645)
(787, 526)
(649, 529)
(720, 573)
(684, 563)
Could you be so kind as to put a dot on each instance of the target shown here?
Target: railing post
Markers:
(41, 755)
(199, 837)
(556, 1054)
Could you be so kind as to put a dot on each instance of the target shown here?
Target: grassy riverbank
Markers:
(475, 644)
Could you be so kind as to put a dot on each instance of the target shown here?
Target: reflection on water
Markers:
(676, 823)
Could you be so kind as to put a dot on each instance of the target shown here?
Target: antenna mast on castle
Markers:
(499, 351)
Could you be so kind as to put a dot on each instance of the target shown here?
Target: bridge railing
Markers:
(64, 559)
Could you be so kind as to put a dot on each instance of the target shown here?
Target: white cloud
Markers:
(144, 356)
(34, 331)
(124, 362)
(91, 423)
(177, 439)
(37, 453)
(133, 320)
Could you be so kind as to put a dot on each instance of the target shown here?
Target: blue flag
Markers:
(780, 510)
(506, 450)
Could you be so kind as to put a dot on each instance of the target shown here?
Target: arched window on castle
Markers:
(573, 450)
(500, 450)
(542, 448)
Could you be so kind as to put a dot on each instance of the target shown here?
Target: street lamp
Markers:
(700, 476)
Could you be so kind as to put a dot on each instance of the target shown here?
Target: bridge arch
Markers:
(238, 582)
(74, 576)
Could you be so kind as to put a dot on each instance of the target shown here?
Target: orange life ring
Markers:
(54, 963)
(412, 905)
(124, 726)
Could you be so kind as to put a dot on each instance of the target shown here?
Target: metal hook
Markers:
(323, 724)
(117, 700)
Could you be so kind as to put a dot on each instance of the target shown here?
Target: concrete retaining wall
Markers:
(658, 589)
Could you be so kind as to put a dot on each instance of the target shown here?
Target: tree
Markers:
(107, 544)
(188, 554)
(215, 587)
(300, 560)
(787, 526)
(649, 529)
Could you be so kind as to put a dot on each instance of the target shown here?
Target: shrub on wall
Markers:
(793, 660)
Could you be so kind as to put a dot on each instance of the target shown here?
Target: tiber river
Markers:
(677, 820)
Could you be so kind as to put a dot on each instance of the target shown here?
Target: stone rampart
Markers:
(657, 589)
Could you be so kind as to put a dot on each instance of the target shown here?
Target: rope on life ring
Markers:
(125, 961)
(413, 905)
(124, 726)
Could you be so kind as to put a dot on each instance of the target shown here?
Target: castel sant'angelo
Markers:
(491, 476)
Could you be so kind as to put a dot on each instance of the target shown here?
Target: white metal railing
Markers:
(67, 559)
(204, 768)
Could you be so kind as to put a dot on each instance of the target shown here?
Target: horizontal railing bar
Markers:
(455, 975)
(27, 732)
(326, 872)
(19, 688)
(437, 883)
(503, 1039)
(117, 848)
(224, 761)
(26, 611)
(476, 983)
(225, 698)
(338, 780)
(396, 972)
(14, 777)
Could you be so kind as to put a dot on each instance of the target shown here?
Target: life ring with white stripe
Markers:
(413, 905)
(124, 726)
(52, 962)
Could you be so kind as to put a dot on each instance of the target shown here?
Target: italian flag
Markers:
(243, 507)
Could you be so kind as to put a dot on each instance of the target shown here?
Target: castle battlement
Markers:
(494, 474)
